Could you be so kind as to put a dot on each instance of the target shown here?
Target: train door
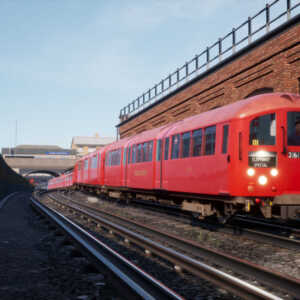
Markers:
(124, 175)
(158, 164)
(224, 158)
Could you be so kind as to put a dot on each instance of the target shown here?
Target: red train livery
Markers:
(242, 156)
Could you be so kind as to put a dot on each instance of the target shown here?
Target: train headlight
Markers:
(250, 172)
(262, 180)
(274, 172)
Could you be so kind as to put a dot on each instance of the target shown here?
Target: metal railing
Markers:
(270, 17)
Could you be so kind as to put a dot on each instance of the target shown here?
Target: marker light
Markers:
(274, 172)
(262, 180)
(250, 172)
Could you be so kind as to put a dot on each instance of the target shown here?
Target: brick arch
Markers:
(259, 91)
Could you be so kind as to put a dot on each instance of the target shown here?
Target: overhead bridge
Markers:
(49, 172)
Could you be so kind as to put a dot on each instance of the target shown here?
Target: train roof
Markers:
(238, 110)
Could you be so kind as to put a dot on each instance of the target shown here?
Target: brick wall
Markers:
(273, 64)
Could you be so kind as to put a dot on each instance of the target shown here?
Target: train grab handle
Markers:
(284, 151)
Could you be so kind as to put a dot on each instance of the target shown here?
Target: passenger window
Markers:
(225, 138)
(86, 164)
(210, 140)
(128, 155)
(167, 148)
(133, 154)
(150, 151)
(158, 151)
(293, 128)
(186, 140)
(263, 130)
(197, 142)
(145, 151)
(139, 153)
(124, 156)
(175, 146)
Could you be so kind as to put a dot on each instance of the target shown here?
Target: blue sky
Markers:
(68, 67)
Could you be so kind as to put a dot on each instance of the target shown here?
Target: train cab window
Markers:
(293, 128)
(197, 142)
(186, 140)
(150, 146)
(225, 139)
(175, 146)
(210, 140)
(263, 130)
(158, 151)
(167, 148)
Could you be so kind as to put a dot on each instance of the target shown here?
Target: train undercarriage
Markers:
(201, 206)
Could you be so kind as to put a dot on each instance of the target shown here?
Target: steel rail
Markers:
(3, 201)
(220, 278)
(136, 283)
(273, 239)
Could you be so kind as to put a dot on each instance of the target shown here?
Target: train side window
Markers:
(158, 150)
(119, 156)
(128, 155)
(133, 154)
(197, 142)
(167, 148)
(186, 141)
(263, 130)
(124, 156)
(210, 140)
(150, 147)
(86, 164)
(175, 146)
(225, 138)
(139, 153)
(145, 152)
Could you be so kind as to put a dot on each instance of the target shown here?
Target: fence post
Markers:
(207, 58)
(249, 30)
(267, 17)
(220, 49)
(233, 40)
(186, 70)
(196, 62)
(288, 9)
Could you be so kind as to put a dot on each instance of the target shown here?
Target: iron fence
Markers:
(252, 29)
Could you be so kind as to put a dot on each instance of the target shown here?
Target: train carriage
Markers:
(242, 156)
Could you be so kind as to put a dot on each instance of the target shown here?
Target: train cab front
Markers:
(268, 163)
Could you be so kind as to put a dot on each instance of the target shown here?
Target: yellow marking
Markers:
(255, 142)
(140, 173)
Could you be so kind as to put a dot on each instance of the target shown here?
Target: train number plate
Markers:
(293, 154)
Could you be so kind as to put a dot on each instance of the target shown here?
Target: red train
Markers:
(242, 156)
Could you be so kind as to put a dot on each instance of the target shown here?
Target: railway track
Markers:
(130, 280)
(274, 234)
(287, 284)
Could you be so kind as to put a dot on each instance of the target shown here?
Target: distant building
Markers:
(85, 144)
